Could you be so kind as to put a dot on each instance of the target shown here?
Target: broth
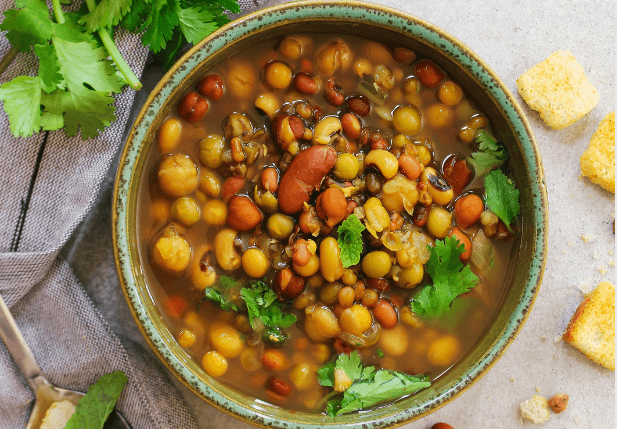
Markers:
(416, 344)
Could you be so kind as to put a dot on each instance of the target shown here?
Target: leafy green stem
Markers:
(114, 53)
(8, 58)
(58, 11)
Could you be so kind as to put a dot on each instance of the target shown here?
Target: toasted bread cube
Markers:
(58, 414)
(598, 161)
(592, 327)
(558, 89)
(535, 409)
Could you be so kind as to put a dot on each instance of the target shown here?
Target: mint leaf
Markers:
(491, 154)
(450, 278)
(350, 240)
(22, 103)
(502, 197)
(95, 407)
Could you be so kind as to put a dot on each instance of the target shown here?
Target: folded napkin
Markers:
(56, 269)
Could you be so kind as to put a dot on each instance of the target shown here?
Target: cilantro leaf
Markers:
(379, 353)
(502, 197)
(491, 154)
(161, 21)
(450, 278)
(27, 25)
(95, 407)
(368, 386)
(196, 23)
(265, 309)
(221, 297)
(106, 13)
(230, 5)
(49, 68)
(350, 240)
(22, 103)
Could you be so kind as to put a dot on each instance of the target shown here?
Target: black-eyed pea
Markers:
(214, 363)
(384, 161)
(325, 129)
(394, 342)
(267, 103)
(440, 191)
(202, 272)
(215, 212)
(225, 252)
(255, 263)
(444, 351)
(169, 135)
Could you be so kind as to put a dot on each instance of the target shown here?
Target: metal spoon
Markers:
(45, 392)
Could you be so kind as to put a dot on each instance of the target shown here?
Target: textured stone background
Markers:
(511, 37)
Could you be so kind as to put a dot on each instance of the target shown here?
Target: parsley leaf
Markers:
(450, 278)
(95, 407)
(502, 197)
(221, 297)
(22, 103)
(350, 240)
(491, 154)
(265, 311)
(368, 386)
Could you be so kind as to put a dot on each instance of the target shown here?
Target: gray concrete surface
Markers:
(511, 37)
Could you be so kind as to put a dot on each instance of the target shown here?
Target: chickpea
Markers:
(477, 122)
(439, 115)
(226, 340)
(333, 56)
(466, 135)
(186, 211)
(214, 363)
(346, 296)
(370, 298)
(249, 359)
(349, 278)
(172, 254)
(215, 212)
(329, 293)
(210, 151)
(280, 226)
(161, 209)
(346, 166)
(224, 250)
(444, 351)
(169, 135)
(210, 184)
(302, 375)
(177, 175)
(290, 48)
(356, 320)
(439, 222)
(255, 263)
(311, 267)
(411, 276)
(320, 352)
(186, 338)
(278, 75)
(395, 341)
(241, 80)
(376, 264)
(331, 266)
(411, 85)
(401, 140)
(321, 324)
(362, 67)
(407, 120)
(449, 93)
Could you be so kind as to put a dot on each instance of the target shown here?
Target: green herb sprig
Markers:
(350, 240)
(502, 197)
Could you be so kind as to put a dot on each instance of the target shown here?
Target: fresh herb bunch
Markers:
(450, 278)
(363, 386)
(75, 76)
(95, 406)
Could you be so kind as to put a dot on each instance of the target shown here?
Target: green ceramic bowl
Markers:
(382, 24)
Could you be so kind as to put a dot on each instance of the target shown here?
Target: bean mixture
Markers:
(274, 158)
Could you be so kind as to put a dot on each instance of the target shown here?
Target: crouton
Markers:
(558, 89)
(535, 409)
(598, 161)
(58, 414)
(592, 327)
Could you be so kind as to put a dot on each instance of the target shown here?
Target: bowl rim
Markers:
(375, 15)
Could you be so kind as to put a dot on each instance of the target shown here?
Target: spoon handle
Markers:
(22, 355)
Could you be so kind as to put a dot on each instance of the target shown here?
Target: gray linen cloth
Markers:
(54, 273)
